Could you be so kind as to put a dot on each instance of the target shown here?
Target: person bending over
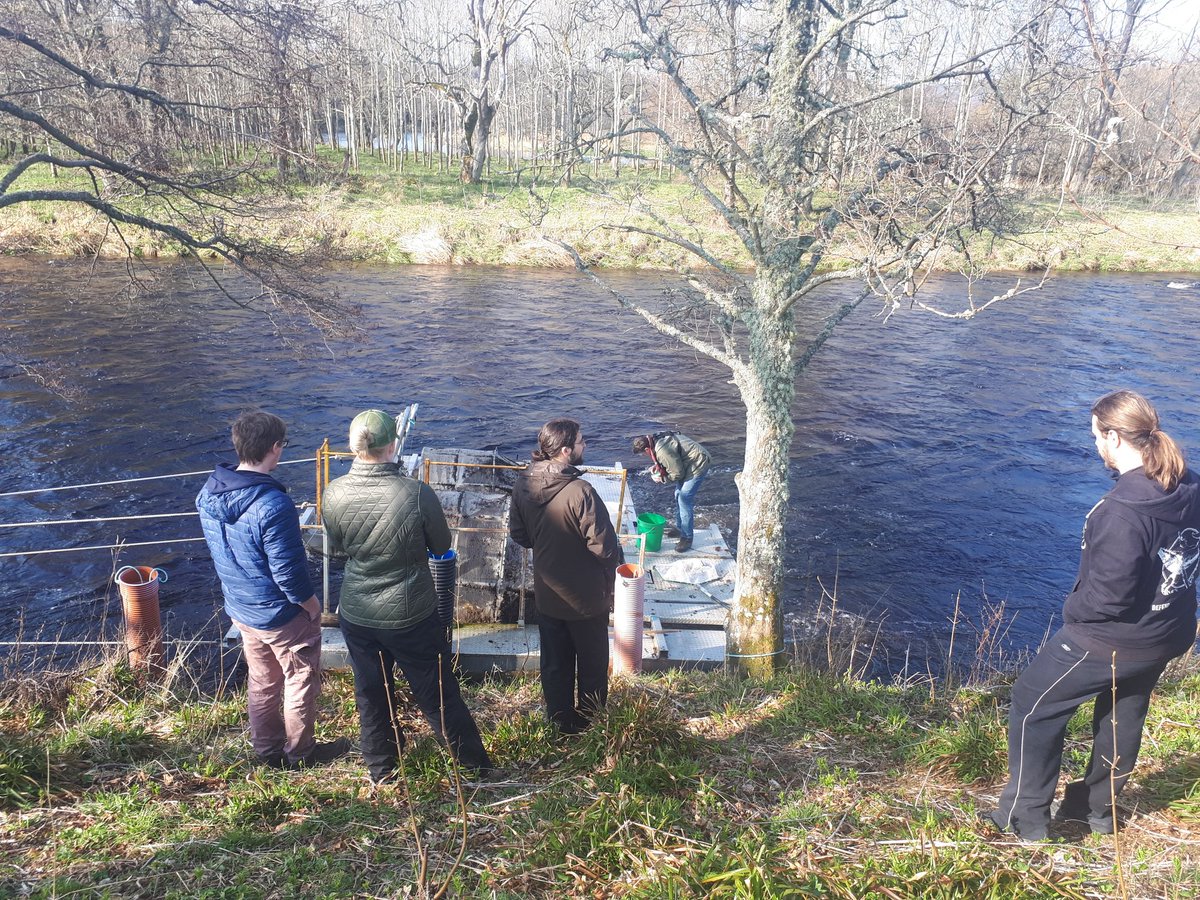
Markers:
(678, 459)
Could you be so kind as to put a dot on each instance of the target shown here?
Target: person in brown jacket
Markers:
(575, 557)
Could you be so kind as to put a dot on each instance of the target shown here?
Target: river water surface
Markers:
(932, 459)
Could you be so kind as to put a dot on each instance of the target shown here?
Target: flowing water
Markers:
(933, 459)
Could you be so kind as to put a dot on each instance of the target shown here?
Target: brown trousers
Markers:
(283, 686)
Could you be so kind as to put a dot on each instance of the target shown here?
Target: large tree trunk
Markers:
(483, 134)
(767, 386)
(767, 378)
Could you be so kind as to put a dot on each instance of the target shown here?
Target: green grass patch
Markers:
(23, 768)
(972, 745)
(690, 785)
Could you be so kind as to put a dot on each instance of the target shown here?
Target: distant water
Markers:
(932, 458)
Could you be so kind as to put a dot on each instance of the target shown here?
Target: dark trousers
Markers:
(424, 657)
(1061, 679)
(574, 653)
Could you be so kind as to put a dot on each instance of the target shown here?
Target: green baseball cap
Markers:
(379, 424)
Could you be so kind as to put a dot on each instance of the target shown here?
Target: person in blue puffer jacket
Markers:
(253, 533)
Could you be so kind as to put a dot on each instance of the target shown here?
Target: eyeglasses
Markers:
(283, 443)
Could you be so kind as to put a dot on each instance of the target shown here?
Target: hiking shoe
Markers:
(1075, 815)
(574, 727)
(1026, 831)
(324, 752)
(484, 774)
(683, 545)
(1101, 824)
(383, 777)
(271, 760)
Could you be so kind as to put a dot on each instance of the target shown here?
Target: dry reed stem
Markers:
(456, 774)
(1112, 788)
(422, 856)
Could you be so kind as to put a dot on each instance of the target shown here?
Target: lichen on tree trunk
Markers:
(767, 385)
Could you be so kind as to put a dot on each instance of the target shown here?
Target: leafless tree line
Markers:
(541, 89)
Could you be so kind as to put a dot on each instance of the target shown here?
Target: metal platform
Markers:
(483, 649)
(687, 595)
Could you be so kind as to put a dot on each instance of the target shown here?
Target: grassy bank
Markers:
(420, 216)
(694, 785)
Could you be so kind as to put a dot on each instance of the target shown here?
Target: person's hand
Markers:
(656, 476)
(312, 606)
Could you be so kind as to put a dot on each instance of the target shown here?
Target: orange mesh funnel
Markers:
(143, 627)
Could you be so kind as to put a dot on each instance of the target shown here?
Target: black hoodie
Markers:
(1136, 590)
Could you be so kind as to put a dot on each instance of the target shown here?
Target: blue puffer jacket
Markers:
(253, 533)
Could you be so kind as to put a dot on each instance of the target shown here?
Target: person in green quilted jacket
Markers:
(388, 524)
(676, 458)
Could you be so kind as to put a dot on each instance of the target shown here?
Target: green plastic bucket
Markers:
(651, 525)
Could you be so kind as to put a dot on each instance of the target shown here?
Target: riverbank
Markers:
(420, 216)
(694, 785)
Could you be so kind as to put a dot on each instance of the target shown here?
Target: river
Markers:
(933, 459)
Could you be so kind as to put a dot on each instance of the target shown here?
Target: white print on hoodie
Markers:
(1181, 563)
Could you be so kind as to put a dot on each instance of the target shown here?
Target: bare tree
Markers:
(909, 189)
(1110, 42)
(1163, 97)
(77, 98)
(468, 64)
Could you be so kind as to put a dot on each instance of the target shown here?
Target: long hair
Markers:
(1134, 418)
(555, 434)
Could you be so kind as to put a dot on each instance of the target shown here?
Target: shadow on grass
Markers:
(1175, 787)
(688, 785)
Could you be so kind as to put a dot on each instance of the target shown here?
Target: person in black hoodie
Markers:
(1132, 610)
(575, 557)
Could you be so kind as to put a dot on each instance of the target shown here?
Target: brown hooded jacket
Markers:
(575, 549)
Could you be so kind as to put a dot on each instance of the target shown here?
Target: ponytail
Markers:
(361, 437)
(1163, 460)
(555, 434)
(1134, 418)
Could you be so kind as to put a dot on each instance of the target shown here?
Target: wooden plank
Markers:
(662, 649)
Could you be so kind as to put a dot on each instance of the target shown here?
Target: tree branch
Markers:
(831, 324)
(87, 77)
(657, 321)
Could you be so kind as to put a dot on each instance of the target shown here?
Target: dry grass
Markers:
(422, 217)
